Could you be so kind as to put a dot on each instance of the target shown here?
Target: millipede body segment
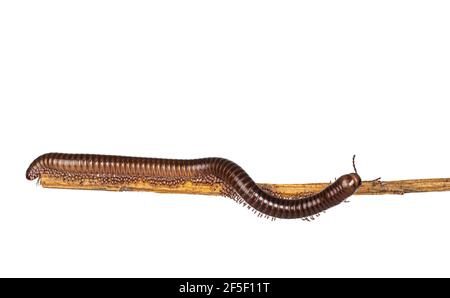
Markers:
(235, 182)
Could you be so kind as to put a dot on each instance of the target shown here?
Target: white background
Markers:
(289, 90)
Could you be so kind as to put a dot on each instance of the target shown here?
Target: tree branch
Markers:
(376, 187)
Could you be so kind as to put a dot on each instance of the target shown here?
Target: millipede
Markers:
(234, 181)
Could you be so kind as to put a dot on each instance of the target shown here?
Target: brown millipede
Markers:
(236, 183)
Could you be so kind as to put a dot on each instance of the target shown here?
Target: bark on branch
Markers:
(376, 187)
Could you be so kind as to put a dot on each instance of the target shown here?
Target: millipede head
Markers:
(350, 182)
(355, 177)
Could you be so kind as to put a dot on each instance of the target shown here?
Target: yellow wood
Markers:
(367, 188)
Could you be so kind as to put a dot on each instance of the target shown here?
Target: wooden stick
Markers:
(376, 187)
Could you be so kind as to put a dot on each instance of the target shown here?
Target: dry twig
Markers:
(375, 187)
